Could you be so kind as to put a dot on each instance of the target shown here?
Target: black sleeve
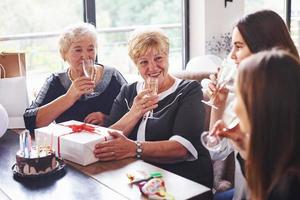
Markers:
(120, 78)
(189, 121)
(120, 107)
(44, 96)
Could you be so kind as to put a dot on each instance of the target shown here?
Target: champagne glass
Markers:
(152, 84)
(225, 76)
(213, 142)
(90, 72)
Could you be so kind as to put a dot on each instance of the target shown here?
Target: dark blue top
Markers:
(59, 83)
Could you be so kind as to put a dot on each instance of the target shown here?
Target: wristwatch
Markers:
(139, 149)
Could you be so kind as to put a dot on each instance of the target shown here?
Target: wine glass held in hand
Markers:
(152, 84)
(225, 76)
(90, 72)
(213, 142)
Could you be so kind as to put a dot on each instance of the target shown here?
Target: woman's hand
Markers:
(95, 118)
(116, 149)
(143, 103)
(80, 86)
(218, 93)
(239, 139)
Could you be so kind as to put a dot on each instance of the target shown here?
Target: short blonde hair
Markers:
(72, 33)
(144, 39)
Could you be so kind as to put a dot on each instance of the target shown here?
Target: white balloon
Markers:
(3, 120)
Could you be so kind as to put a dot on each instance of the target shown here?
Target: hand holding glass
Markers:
(212, 142)
(226, 74)
(90, 72)
(152, 84)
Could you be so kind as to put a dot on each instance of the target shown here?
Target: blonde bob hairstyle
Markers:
(143, 40)
(73, 33)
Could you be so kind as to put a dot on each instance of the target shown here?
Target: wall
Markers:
(211, 25)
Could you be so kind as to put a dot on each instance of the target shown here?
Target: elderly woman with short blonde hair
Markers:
(63, 96)
(170, 137)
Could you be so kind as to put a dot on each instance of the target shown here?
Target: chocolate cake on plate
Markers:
(38, 161)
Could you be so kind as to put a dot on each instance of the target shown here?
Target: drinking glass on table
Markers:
(225, 76)
(213, 142)
(89, 71)
(152, 84)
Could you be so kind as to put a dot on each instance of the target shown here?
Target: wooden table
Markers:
(101, 180)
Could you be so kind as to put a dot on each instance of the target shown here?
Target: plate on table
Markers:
(60, 165)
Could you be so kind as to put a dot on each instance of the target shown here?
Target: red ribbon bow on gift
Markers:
(77, 128)
(82, 127)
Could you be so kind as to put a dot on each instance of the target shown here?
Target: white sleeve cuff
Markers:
(193, 154)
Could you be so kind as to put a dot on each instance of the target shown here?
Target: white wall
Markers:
(209, 20)
(197, 27)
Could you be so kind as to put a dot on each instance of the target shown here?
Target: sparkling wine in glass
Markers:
(213, 142)
(152, 84)
(90, 72)
(225, 76)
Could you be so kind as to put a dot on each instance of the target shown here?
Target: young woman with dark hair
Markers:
(265, 29)
(267, 105)
(262, 30)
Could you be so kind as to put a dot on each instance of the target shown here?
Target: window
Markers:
(279, 6)
(255, 5)
(295, 23)
(117, 18)
(33, 26)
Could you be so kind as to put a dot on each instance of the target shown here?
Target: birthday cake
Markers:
(37, 162)
(34, 159)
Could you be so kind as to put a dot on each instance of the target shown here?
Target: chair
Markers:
(204, 63)
(14, 98)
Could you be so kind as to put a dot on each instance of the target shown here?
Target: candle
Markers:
(21, 143)
(51, 144)
(37, 144)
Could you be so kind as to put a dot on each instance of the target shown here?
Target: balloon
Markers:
(3, 120)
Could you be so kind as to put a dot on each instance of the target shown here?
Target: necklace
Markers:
(93, 77)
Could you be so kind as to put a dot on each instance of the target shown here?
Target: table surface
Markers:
(101, 180)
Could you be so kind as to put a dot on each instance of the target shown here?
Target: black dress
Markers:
(180, 114)
(58, 84)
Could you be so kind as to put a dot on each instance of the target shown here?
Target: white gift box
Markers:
(77, 147)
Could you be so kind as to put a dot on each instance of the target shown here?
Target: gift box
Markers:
(73, 140)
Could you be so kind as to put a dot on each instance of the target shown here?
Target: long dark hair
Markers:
(264, 30)
(269, 83)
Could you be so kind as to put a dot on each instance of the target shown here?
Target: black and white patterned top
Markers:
(179, 116)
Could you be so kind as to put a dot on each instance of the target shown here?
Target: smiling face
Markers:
(82, 48)
(240, 49)
(154, 63)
